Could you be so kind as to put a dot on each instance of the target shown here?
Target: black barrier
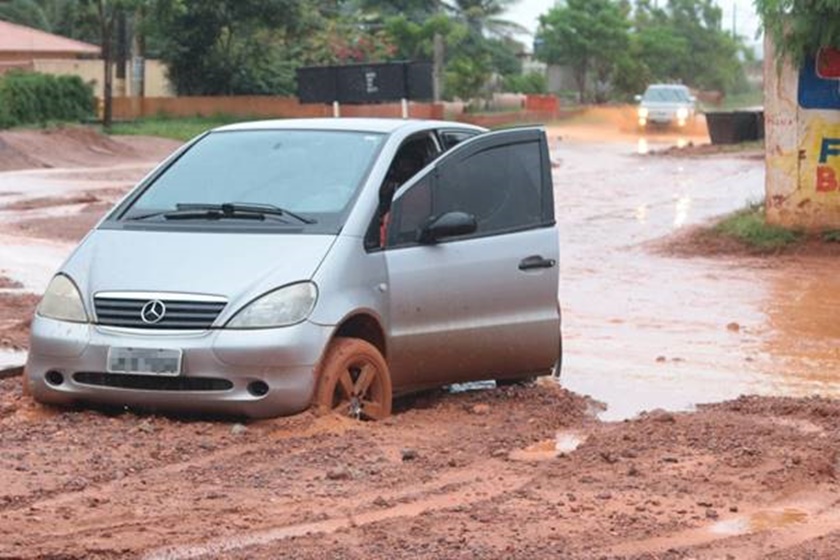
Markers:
(365, 83)
(735, 126)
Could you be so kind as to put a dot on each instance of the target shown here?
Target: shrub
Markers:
(32, 98)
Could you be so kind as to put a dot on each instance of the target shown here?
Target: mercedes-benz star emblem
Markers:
(153, 312)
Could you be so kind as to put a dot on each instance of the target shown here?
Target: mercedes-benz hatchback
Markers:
(268, 266)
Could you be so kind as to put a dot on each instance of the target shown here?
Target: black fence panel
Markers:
(365, 83)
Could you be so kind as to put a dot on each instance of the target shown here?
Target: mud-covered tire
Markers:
(354, 381)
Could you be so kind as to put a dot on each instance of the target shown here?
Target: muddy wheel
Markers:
(354, 381)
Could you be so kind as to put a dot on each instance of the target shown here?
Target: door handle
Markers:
(536, 261)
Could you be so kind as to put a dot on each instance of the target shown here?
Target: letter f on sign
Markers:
(830, 147)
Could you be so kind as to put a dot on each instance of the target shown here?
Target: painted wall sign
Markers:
(819, 127)
(828, 167)
(828, 63)
(820, 89)
(802, 104)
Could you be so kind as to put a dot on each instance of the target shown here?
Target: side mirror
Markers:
(638, 98)
(450, 224)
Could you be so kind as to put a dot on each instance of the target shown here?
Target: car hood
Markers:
(236, 266)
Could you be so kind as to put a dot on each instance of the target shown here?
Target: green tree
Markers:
(62, 17)
(799, 28)
(465, 76)
(414, 39)
(712, 61)
(229, 47)
(482, 17)
(589, 36)
(532, 82)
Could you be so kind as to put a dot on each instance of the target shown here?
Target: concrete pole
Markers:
(437, 67)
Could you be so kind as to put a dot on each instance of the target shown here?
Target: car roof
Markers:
(381, 125)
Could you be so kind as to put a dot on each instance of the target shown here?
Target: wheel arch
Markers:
(365, 326)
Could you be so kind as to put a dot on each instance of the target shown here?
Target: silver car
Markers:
(269, 266)
(666, 104)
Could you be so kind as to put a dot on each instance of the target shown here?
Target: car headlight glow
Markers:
(62, 301)
(643, 112)
(279, 308)
(682, 113)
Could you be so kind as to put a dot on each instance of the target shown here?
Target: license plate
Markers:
(144, 361)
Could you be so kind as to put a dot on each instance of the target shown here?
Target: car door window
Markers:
(502, 186)
(412, 156)
(450, 138)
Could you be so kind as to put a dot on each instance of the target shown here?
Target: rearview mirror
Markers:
(638, 98)
(450, 224)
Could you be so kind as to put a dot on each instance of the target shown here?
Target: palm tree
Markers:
(482, 17)
(48, 15)
(62, 17)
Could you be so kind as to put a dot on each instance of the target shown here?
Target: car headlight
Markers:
(279, 308)
(682, 113)
(62, 301)
(643, 112)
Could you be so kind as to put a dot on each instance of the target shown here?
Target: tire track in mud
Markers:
(460, 489)
(751, 534)
(143, 506)
(60, 497)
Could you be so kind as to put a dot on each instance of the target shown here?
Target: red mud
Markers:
(517, 472)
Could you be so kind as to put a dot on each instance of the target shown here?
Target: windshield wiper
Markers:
(246, 211)
(242, 209)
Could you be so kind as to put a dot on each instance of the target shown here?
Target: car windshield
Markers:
(662, 94)
(305, 179)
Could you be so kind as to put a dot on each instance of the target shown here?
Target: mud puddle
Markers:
(644, 331)
(563, 443)
(760, 521)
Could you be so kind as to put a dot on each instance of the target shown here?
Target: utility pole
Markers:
(138, 62)
(437, 67)
(734, 19)
(121, 54)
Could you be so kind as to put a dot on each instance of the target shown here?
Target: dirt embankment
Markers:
(76, 147)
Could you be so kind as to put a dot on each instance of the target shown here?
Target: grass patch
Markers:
(169, 127)
(831, 236)
(750, 227)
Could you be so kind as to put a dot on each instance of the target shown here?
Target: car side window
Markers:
(413, 155)
(411, 212)
(501, 186)
(451, 138)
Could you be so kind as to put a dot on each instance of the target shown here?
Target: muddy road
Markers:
(621, 460)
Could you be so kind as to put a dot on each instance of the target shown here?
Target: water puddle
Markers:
(760, 521)
(563, 443)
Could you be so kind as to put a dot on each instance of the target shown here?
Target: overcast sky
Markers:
(527, 13)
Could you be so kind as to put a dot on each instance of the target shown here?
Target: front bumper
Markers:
(661, 117)
(256, 373)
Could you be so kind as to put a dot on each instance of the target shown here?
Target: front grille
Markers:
(179, 313)
(152, 382)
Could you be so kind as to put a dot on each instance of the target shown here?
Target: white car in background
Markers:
(666, 105)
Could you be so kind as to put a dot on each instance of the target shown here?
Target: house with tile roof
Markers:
(26, 48)
(21, 46)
